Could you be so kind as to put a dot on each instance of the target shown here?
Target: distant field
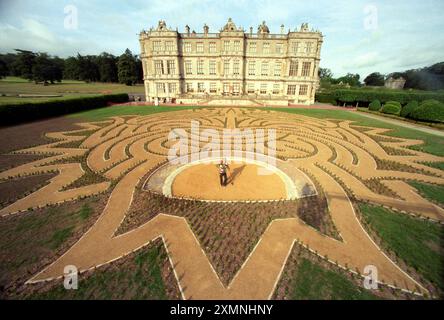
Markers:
(13, 86)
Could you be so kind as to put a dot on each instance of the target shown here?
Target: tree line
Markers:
(427, 78)
(41, 67)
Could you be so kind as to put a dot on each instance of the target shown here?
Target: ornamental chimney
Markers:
(206, 29)
(187, 30)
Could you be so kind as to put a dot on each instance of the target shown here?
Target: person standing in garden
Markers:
(223, 178)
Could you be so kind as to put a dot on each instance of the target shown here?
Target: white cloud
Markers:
(408, 34)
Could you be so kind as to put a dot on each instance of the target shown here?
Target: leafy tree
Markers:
(8, 60)
(325, 73)
(375, 79)
(46, 69)
(107, 66)
(127, 68)
(3, 69)
(23, 63)
(350, 79)
(139, 70)
(88, 69)
(71, 69)
(428, 78)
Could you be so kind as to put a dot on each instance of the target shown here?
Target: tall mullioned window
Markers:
(189, 87)
(171, 67)
(252, 47)
(277, 68)
(303, 89)
(172, 87)
(236, 45)
(236, 89)
(226, 87)
(187, 47)
(236, 67)
(188, 67)
(200, 67)
(264, 68)
(226, 68)
(212, 67)
(212, 47)
(160, 87)
(250, 88)
(158, 67)
(279, 48)
(252, 68)
(226, 46)
(293, 68)
(157, 45)
(169, 46)
(306, 66)
(266, 47)
(308, 47)
(276, 88)
(200, 47)
(291, 89)
(263, 89)
(295, 47)
(213, 87)
(200, 87)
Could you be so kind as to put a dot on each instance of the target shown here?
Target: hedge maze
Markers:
(348, 163)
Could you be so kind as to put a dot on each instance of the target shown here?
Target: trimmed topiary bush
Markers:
(375, 105)
(408, 108)
(391, 107)
(430, 111)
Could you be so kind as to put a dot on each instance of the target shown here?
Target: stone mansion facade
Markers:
(234, 65)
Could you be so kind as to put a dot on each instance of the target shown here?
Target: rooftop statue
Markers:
(304, 27)
(162, 26)
(230, 26)
(262, 29)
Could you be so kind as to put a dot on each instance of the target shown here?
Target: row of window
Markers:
(232, 88)
(161, 68)
(234, 46)
(162, 87)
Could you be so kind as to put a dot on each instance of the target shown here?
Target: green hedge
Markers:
(430, 110)
(392, 107)
(22, 112)
(364, 97)
(375, 105)
(408, 108)
(324, 97)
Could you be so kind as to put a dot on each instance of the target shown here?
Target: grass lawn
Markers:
(437, 165)
(313, 282)
(26, 239)
(140, 278)
(417, 242)
(432, 192)
(13, 86)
